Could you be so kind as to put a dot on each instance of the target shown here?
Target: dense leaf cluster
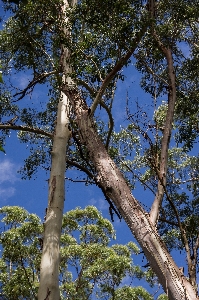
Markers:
(90, 267)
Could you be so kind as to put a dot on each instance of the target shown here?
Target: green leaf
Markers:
(1, 78)
(2, 149)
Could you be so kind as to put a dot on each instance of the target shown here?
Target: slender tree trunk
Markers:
(49, 271)
(174, 283)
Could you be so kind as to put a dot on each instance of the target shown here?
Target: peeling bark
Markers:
(174, 283)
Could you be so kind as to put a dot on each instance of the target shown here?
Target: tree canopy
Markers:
(90, 267)
(84, 50)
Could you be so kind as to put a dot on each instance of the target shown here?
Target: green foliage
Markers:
(101, 33)
(21, 250)
(2, 149)
(134, 293)
(89, 267)
(163, 297)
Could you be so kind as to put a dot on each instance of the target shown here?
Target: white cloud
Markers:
(6, 193)
(101, 203)
(127, 280)
(21, 80)
(8, 176)
(8, 172)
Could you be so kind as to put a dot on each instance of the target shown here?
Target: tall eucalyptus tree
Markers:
(80, 49)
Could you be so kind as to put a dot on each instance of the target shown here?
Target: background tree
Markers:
(103, 39)
(90, 267)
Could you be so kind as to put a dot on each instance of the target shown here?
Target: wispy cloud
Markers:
(8, 176)
(101, 204)
(22, 80)
(8, 172)
(7, 192)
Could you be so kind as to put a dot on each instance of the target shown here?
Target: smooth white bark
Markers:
(49, 272)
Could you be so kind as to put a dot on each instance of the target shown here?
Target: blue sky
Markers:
(33, 194)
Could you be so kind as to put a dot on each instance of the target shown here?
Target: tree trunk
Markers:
(174, 283)
(49, 271)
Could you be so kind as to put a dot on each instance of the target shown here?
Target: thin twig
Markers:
(117, 68)
(32, 84)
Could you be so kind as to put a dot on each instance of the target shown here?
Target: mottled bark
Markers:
(113, 182)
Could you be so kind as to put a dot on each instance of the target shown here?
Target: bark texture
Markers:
(49, 271)
(174, 283)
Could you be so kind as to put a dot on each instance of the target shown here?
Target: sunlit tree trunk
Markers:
(173, 281)
(49, 270)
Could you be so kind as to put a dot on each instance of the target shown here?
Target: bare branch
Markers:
(84, 84)
(27, 129)
(117, 68)
(36, 80)
(142, 181)
(168, 222)
(151, 71)
(166, 133)
(104, 191)
(80, 167)
(111, 123)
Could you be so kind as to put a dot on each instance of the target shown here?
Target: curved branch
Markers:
(151, 71)
(168, 222)
(84, 84)
(35, 80)
(80, 167)
(92, 93)
(104, 191)
(142, 181)
(111, 122)
(117, 68)
(26, 128)
(166, 133)
(183, 233)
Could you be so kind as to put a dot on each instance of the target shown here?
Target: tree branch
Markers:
(142, 181)
(26, 128)
(84, 84)
(168, 222)
(117, 68)
(166, 133)
(104, 191)
(151, 70)
(38, 78)
(111, 122)
(80, 167)
(92, 93)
